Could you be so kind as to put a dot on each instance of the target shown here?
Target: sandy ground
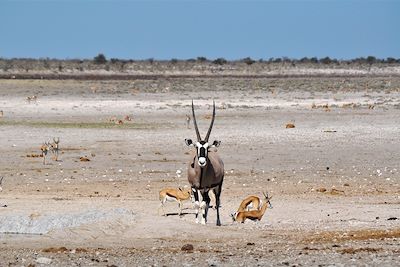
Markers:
(334, 178)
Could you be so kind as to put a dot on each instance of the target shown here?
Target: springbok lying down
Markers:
(255, 215)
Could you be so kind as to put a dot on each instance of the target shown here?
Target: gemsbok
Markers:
(255, 215)
(172, 194)
(205, 170)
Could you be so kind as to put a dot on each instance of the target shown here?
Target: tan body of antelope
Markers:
(205, 171)
(45, 148)
(173, 194)
(55, 148)
(255, 215)
(250, 203)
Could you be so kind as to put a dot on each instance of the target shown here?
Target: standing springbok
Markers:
(45, 148)
(54, 148)
(254, 215)
(205, 171)
(1, 189)
(172, 194)
(188, 121)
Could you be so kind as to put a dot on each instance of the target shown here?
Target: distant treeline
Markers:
(101, 59)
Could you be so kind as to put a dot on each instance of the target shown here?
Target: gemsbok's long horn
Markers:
(195, 124)
(212, 123)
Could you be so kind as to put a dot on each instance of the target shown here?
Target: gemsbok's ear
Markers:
(216, 143)
(189, 142)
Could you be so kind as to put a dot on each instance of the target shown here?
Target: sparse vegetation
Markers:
(220, 61)
(100, 59)
(248, 61)
(201, 59)
(28, 67)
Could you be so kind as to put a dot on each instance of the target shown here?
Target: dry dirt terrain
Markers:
(334, 178)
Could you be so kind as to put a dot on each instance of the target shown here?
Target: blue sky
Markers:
(187, 29)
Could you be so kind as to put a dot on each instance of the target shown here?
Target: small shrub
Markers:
(371, 60)
(100, 59)
(325, 60)
(248, 61)
(114, 60)
(220, 61)
(201, 59)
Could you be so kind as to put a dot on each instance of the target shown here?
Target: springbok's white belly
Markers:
(168, 198)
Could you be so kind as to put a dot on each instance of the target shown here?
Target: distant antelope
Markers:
(31, 98)
(253, 214)
(1, 189)
(54, 147)
(205, 171)
(188, 121)
(45, 148)
(172, 194)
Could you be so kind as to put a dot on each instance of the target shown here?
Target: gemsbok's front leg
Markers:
(205, 204)
(196, 204)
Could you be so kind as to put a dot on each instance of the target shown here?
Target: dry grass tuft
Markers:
(358, 250)
(56, 250)
(367, 234)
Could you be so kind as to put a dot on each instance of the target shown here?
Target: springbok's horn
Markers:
(195, 124)
(212, 123)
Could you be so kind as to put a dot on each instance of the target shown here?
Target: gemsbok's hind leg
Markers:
(206, 199)
(217, 193)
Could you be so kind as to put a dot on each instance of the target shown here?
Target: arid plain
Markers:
(334, 178)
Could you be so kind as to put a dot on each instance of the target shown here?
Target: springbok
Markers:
(188, 121)
(31, 98)
(254, 215)
(1, 189)
(205, 171)
(45, 148)
(54, 147)
(250, 203)
(172, 194)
